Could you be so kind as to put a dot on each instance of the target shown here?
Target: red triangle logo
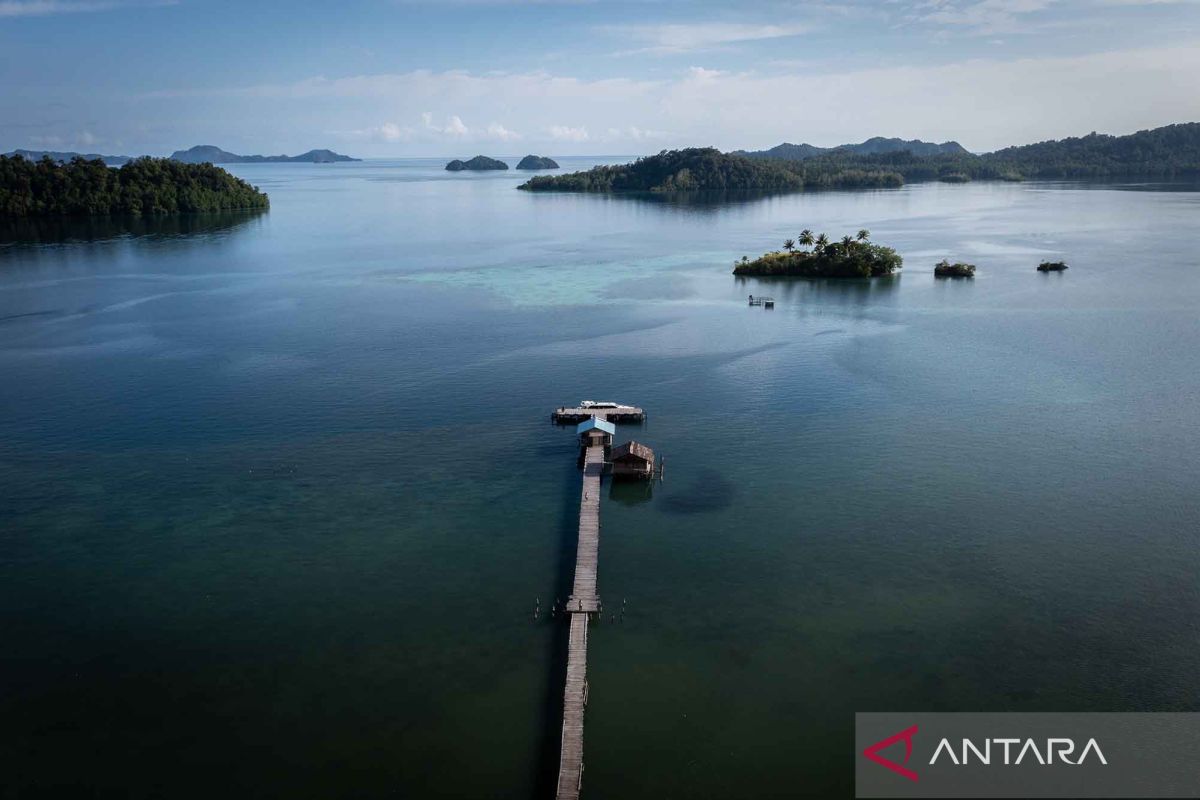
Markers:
(872, 752)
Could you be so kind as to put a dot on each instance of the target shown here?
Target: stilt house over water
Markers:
(632, 460)
(595, 431)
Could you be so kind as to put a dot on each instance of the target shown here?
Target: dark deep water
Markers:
(279, 491)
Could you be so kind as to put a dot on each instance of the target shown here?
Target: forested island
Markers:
(142, 187)
(537, 162)
(207, 153)
(818, 257)
(476, 163)
(1169, 152)
(704, 169)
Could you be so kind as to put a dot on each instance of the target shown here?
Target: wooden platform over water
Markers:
(570, 415)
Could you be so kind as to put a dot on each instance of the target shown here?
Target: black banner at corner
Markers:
(1067, 755)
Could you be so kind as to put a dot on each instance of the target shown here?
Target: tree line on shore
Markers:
(708, 169)
(1164, 153)
(142, 187)
(1169, 152)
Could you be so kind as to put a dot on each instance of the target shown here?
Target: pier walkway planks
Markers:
(582, 602)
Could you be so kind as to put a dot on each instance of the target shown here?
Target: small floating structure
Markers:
(765, 302)
(632, 460)
(588, 409)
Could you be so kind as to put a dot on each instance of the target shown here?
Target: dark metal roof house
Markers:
(632, 460)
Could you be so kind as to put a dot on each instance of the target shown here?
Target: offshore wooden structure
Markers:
(632, 460)
(596, 427)
(609, 412)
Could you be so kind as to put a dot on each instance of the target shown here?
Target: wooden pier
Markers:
(584, 600)
(587, 554)
(614, 413)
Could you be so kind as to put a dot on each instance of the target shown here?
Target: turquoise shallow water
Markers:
(280, 491)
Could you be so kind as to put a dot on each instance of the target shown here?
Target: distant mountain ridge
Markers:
(65, 156)
(210, 154)
(873, 146)
(1169, 152)
(200, 154)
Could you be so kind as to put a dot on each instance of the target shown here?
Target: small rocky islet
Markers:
(476, 163)
(944, 269)
(533, 162)
(817, 256)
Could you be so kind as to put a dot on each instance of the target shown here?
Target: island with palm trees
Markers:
(817, 257)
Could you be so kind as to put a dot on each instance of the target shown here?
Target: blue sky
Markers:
(506, 77)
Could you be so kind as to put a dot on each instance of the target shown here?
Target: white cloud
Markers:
(984, 103)
(632, 133)
(983, 16)
(496, 2)
(500, 133)
(453, 128)
(386, 132)
(424, 85)
(685, 37)
(564, 133)
(43, 8)
(47, 140)
(627, 134)
(78, 140)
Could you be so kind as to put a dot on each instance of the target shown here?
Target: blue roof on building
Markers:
(594, 423)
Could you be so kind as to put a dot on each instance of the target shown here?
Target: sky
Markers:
(454, 78)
